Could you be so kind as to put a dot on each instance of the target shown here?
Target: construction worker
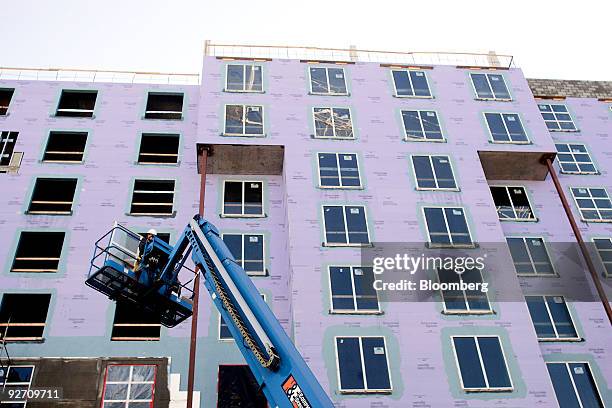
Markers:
(140, 254)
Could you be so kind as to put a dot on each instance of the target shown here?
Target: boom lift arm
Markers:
(278, 367)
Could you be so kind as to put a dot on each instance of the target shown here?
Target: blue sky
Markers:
(549, 39)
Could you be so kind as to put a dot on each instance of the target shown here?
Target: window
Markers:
(338, 170)
(152, 197)
(38, 252)
(506, 128)
(530, 256)
(463, 301)
(409, 83)
(490, 87)
(18, 378)
(248, 250)
(158, 148)
(594, 204)
(65, 147)
(244, 78)
(574, 158)
(5, 100)
(7, 145)
(512, 203)
(362, 364)
(333, 123)
(244, 120)
(243, 199)
(447, 227)
(224, 330)
(551, 318)
(574, 385)
(557, 118)
(433, 173)
(77, 104)
(134, 323)
(422, 126)
(52, 196)
(237, 387)
(164, 106)
(345, 225)
(604, 249)
(327, 81)
(23, 316)
(129, 386)
(352, 289)
(164, 236)
(482, 364)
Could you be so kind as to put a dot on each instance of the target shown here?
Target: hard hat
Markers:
(152, 231)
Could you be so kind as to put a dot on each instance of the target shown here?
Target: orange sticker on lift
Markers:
(295, 394)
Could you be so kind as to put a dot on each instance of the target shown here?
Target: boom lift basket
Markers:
(112, 273)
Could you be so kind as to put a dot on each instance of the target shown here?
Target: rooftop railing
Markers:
(353, 54)
(86, 75)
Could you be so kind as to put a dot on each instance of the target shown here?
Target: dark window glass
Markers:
(530, 256)
(434, 172)
(481, 363)
(352, 289)
(338, 170)
(329, 81)
(244, 78)
(490, 86)
(574, 385)
(557, 118)
(551, 317)
(422, 125)
(411, 83)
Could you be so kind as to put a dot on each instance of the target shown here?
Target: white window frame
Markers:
(535, 272)
(467, 310)
(334, 137)
(591, 197)
(366, 390)
(429, 155)
(340, 187)
(515, 219)
(408, 138)
(567, 368)
(152, 192)
(8, 140)
(244, 90)
(355, 310)
(243, 215)
(550, 105)
(346, 231)
(588, 153)
(605, 270)
(328, 93)
(244, 113)
(220, 320)
(451, 245)
(486, 74)
(22, 385)
(554, 324)
(129, 383)
(501, 114)
(408, 70)
(482, 367)
(263, 248)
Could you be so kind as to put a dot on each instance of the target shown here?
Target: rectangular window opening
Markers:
(338, 170)
(551, 318)
(593, 203)
(422, 126)
(52, 196)
(333, 123)
(604, 250)
(557, 118)
(327, 81)
(490, 87)
(238, 388)
(77, 104)
(352, 290)
(38, 252)
(530, 256)
(447, 227)
(244, 78)
(363, 366)
(411, 83)
(243, 199)
(8, 140)
(244, 120)
(433, 172)
(574, 158)
(463, 301)
(65, 147)
(345, 225)
(16, 377)
(152, 197)
(158, 148)
(164, 106)
(23, 316)
(129, 386)
(512, 203)
(506, 128)
(248, 251)
(134, 324)
(5, 100)
(574, 384)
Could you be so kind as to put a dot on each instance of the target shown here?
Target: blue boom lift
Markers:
(154, 285)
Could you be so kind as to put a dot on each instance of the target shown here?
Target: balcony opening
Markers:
(38, 252)
(152, 197)
(132, 323)
(164, 106)
(52, 196)
(237, 387)
(65, 147)
(77, 104)
(158, 149)
(23, 316)
(5, 100)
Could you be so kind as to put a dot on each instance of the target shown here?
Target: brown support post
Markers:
(196, 290)
(581, 243)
